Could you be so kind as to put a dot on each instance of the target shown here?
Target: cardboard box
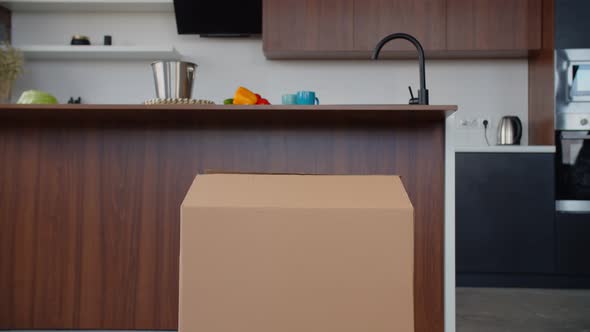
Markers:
(296, 253)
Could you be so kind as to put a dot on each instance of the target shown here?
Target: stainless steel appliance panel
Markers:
(572, 89)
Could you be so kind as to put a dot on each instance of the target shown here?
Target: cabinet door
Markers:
(486, 25)
(572, 24)
(505, 208)
(375, 19)
(291, 26)
(573, 245)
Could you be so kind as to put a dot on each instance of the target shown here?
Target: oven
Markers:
(572, 101)
(573, 171)
(572, 217)
(572, 161)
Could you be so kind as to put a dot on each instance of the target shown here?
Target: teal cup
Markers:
(289, 99)
(307, 98)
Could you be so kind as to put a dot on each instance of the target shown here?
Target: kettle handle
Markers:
(518, 130)
(190, 71)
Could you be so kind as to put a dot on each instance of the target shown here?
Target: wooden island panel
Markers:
(90, 198)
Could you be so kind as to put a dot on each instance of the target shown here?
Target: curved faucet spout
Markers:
(423, 92)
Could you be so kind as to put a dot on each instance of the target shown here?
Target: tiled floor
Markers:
(522, 310)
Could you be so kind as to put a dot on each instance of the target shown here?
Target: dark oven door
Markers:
(573, 171)
(572, 220)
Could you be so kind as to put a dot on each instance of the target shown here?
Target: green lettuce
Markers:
(36, 97)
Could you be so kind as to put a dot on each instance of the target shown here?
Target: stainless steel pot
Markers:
(174, 79)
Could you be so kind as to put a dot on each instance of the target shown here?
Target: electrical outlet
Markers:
(481, 120)
(467, 123)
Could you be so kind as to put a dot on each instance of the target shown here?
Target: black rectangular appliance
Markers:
(572, 218)
(573, 166)
(219, 18)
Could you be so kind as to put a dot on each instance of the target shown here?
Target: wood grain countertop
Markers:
(230, 112)
(197, 108)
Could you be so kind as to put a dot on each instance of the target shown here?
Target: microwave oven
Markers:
(572, 89)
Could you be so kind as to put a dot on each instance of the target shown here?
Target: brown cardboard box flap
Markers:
(296, 253)
(297, 191)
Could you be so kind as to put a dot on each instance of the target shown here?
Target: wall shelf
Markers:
(98, 52)
(88, 5)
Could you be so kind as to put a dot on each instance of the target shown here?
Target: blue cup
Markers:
(307, 98)
(289, 99)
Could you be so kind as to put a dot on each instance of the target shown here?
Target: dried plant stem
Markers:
(11, 63)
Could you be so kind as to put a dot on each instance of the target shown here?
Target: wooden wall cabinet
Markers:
(297, 27)
(446, 28)
(542, 82)
(493, 25)
(375, 19)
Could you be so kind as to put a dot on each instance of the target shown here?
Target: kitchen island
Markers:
(90, 196)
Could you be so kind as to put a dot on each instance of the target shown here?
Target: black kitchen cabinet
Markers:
(573, 243)
(505, 210)
(572, 24)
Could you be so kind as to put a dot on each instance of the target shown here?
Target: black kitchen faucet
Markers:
(423, 92)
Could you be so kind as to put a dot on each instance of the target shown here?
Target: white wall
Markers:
(481, 88)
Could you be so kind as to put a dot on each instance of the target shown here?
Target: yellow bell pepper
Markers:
(244, 96)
